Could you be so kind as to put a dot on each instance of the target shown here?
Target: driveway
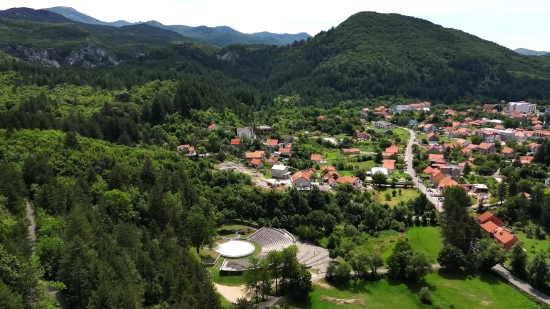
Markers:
(410, 171)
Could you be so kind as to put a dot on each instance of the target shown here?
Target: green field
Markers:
(403, 134)
(533, 246)
(448, 291)
(406, 195)
(425, 238)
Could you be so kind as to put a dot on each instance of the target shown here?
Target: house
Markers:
(350, 151)
(526, 159)
(432, 149)
(362, 136)
(255, 155)
(488, 216)
(429, 128)
(186, 148)
(490, 135)
(237, 142)
(382, 170)
(489, 227)
(317, 158)
(392, 149)
(264, 130)
(365, 111)
(428, 170)
(413, 123)
(486, 148)
(272, 160)
(285, 151)
(354, 181)
(322, 118)
(245, 132)
(256, 163)
(451, 171)
(272, 144)
(447, 182)
(436, 177)
(301, 180)
(213, 127)
(432, 137)
(547, 182)
(383, 125)
(505, 238)
(533, 147)
(280, 172)
(329, 175)
(436, 158)
(508, 152)
(462, 142)
(389, 165)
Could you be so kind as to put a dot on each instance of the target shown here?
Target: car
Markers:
(441, 199)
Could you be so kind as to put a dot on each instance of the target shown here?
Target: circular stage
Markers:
(236, 249)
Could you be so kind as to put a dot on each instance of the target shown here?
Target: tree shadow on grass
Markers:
(360, 288)
(303, 304)
(413, 286)
(464, 275)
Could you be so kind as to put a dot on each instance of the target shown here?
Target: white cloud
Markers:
(510, 23)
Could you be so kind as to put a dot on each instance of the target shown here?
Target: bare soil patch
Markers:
(257, 178)
(341, 301)
(231, 293)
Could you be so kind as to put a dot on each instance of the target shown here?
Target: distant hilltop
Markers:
(529, 52)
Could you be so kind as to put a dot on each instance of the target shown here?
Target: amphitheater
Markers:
(271, 239)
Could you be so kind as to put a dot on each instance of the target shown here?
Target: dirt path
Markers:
(32, 225)
(58, 295)
(231, 293)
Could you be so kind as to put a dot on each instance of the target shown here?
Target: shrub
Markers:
(425, 295)
(469, 277)
(371, 232)
(376, 234)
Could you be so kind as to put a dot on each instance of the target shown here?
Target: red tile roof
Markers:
(235, 141)
(299, 175)
(255, 161)
(316, 157)
(507, 150)
(485, 216)
(504, 236)
(489, 226)
(272, 142)
(254, 155)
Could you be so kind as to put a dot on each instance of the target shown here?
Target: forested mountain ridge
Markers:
(220, 36)
(43, 42)
(367, 56)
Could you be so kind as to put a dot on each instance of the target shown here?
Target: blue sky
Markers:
(511, 23)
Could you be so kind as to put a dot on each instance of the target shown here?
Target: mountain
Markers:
(285, 38)
(529, 52)
(371, 55)
(50, 39)
(368, 56)
(34, 15)
(220, 35)
(75, 15)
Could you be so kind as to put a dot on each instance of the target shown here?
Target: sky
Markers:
(511, 23)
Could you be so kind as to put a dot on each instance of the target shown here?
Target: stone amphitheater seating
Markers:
(271, 239)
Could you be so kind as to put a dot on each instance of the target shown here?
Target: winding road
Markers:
(411, 171)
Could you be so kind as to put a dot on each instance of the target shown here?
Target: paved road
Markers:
(410, 171)
(520, 284)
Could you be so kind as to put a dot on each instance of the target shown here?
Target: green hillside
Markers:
(373, 54)
(367, 56)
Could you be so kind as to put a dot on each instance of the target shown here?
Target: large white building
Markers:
(521, 107)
